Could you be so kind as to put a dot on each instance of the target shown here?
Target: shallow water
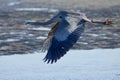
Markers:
(97, 64)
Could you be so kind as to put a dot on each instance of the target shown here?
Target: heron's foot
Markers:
(108, 22)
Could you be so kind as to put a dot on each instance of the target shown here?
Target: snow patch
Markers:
(9, 40)
(41, 37)
(97, 64)
(13, 3)
(3, 33)
(40, 28)
(37, 9)
(94, 35)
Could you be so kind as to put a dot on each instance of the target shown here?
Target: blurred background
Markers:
(20, 39)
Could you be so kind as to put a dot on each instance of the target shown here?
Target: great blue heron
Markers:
(64, 34)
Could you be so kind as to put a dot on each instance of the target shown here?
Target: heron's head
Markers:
(64, 14)
(60, 16)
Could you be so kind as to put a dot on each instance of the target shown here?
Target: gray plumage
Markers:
(64, 34)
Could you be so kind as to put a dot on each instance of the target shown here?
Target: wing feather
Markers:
(49, 37)
(58, 48)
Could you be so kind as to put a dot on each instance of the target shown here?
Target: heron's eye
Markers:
(60, 16)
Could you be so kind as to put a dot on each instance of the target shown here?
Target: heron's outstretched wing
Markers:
(49, 37)
(58, 48)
